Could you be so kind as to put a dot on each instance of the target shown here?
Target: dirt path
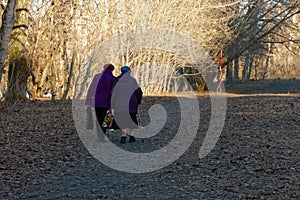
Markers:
(256, 157)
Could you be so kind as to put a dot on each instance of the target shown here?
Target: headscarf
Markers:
(125, 69)
(109, 67)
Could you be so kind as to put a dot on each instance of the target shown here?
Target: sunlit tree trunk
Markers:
(18, 63)
(8, 21)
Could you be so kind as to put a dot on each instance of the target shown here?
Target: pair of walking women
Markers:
(122, 94)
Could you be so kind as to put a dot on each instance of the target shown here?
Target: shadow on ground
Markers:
(291, 86)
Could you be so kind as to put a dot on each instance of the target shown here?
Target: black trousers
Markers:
(100, 114)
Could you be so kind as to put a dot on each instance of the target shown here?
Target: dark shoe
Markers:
(123, 139)
(131, 139)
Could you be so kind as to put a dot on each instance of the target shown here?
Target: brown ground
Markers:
(256, 157)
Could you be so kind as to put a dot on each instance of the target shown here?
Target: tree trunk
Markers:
(18, 62)
(17, 80)
(265, 72)
(236, 69)
(64, 97)
(53, 80)
(5, 31)
(250, 68)
(246, 65)
(255, 70)
(41, 82)
(229, 72)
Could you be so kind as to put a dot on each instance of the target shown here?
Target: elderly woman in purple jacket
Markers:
(99, 96)
(126, 97)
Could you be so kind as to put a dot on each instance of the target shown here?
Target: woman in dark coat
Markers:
(126, 97)
(99, 96)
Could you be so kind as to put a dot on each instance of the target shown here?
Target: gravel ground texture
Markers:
(257, 155)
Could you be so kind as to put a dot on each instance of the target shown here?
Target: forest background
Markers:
(45, 43)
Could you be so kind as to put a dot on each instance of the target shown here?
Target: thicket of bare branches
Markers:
(263, 32)
(54, 39)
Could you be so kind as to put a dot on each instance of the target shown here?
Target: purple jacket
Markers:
(99, 93)
(127, 94)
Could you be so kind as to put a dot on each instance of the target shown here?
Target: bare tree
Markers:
(63, 34)
(92, 22)
(5, 31)
(262, 20)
